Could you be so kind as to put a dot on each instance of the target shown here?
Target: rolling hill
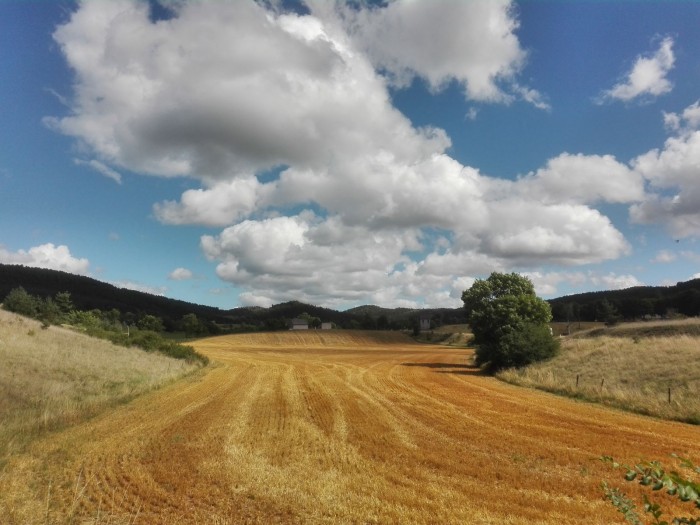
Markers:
(88, 293)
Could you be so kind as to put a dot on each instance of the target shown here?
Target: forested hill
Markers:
(364, 317)
(631, 303)
(88, 294)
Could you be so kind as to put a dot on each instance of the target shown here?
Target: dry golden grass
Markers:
(335, 427)
(564, 328)
(631, 373)
(688, 326)
(453, 329)
(53, 377)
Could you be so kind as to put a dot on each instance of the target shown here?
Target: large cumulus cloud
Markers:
(47, 256)
(672, 173)
(226, 93)
(472, 43)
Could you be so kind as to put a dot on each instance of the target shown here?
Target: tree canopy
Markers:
(509, 321)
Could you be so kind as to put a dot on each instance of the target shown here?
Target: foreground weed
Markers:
(653, 475)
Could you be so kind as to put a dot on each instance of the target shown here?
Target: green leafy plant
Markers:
(509, 322)
(656, 477)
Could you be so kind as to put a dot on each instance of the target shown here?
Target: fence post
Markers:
(602, 383)
(669, 395)
(576, 380)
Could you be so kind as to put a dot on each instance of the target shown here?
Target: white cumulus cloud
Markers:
(664, 256)
(472, 43)
(687, 121)
(140, 287)
(613, 281)
(584, 179)
(180, 274)
(674, 195)
(227, 92)
(219, 205)
(547, 283)
(647, 77)
(47, 256)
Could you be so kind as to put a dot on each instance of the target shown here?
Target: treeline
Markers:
(144, 333)
(640, 302)
(277, 317)
(133, 307)
(90, 294)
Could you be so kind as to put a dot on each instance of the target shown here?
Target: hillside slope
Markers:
(88, 293)
(650, 367)
(53, 377)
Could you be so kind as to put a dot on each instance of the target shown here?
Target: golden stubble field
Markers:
(335, 427)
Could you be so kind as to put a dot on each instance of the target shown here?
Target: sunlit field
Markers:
(53, 377)
(335, 427)
(629, 367)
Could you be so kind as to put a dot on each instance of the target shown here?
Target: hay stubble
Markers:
(337, 427)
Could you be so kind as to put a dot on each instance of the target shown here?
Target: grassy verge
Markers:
(625, 368)
(150, 342)
(53, 377)
(458, 335)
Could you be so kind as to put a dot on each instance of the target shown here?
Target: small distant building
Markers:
(424, 321)
(326, 326)
(300, 324)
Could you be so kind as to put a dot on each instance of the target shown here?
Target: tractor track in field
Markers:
(335, 427)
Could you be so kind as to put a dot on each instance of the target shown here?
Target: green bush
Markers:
(519, 347)
(20, 302)
(179, 351)
(149, 341)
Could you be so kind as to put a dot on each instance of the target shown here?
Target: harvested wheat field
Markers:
(335, 427)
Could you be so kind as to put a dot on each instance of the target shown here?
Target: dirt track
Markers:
(335, 427)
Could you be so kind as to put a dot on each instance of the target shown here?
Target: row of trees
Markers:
(60, 309)
(630, 304)
(89, 294)
(143, 331)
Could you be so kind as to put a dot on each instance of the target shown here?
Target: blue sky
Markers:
(234, 153)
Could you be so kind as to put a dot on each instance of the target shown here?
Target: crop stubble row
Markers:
(309, 428)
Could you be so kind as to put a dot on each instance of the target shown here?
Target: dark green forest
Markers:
(90, 294)
(639, 302)
(87, 293)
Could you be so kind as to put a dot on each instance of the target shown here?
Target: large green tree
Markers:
(191, 325)
(509, 322)
(150, 322)
(21, 302)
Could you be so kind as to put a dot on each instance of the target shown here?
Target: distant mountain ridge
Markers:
(88, 293)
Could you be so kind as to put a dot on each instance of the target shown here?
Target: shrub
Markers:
(519, 347)
(179, 351)
(20, 302)
(149, 341)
